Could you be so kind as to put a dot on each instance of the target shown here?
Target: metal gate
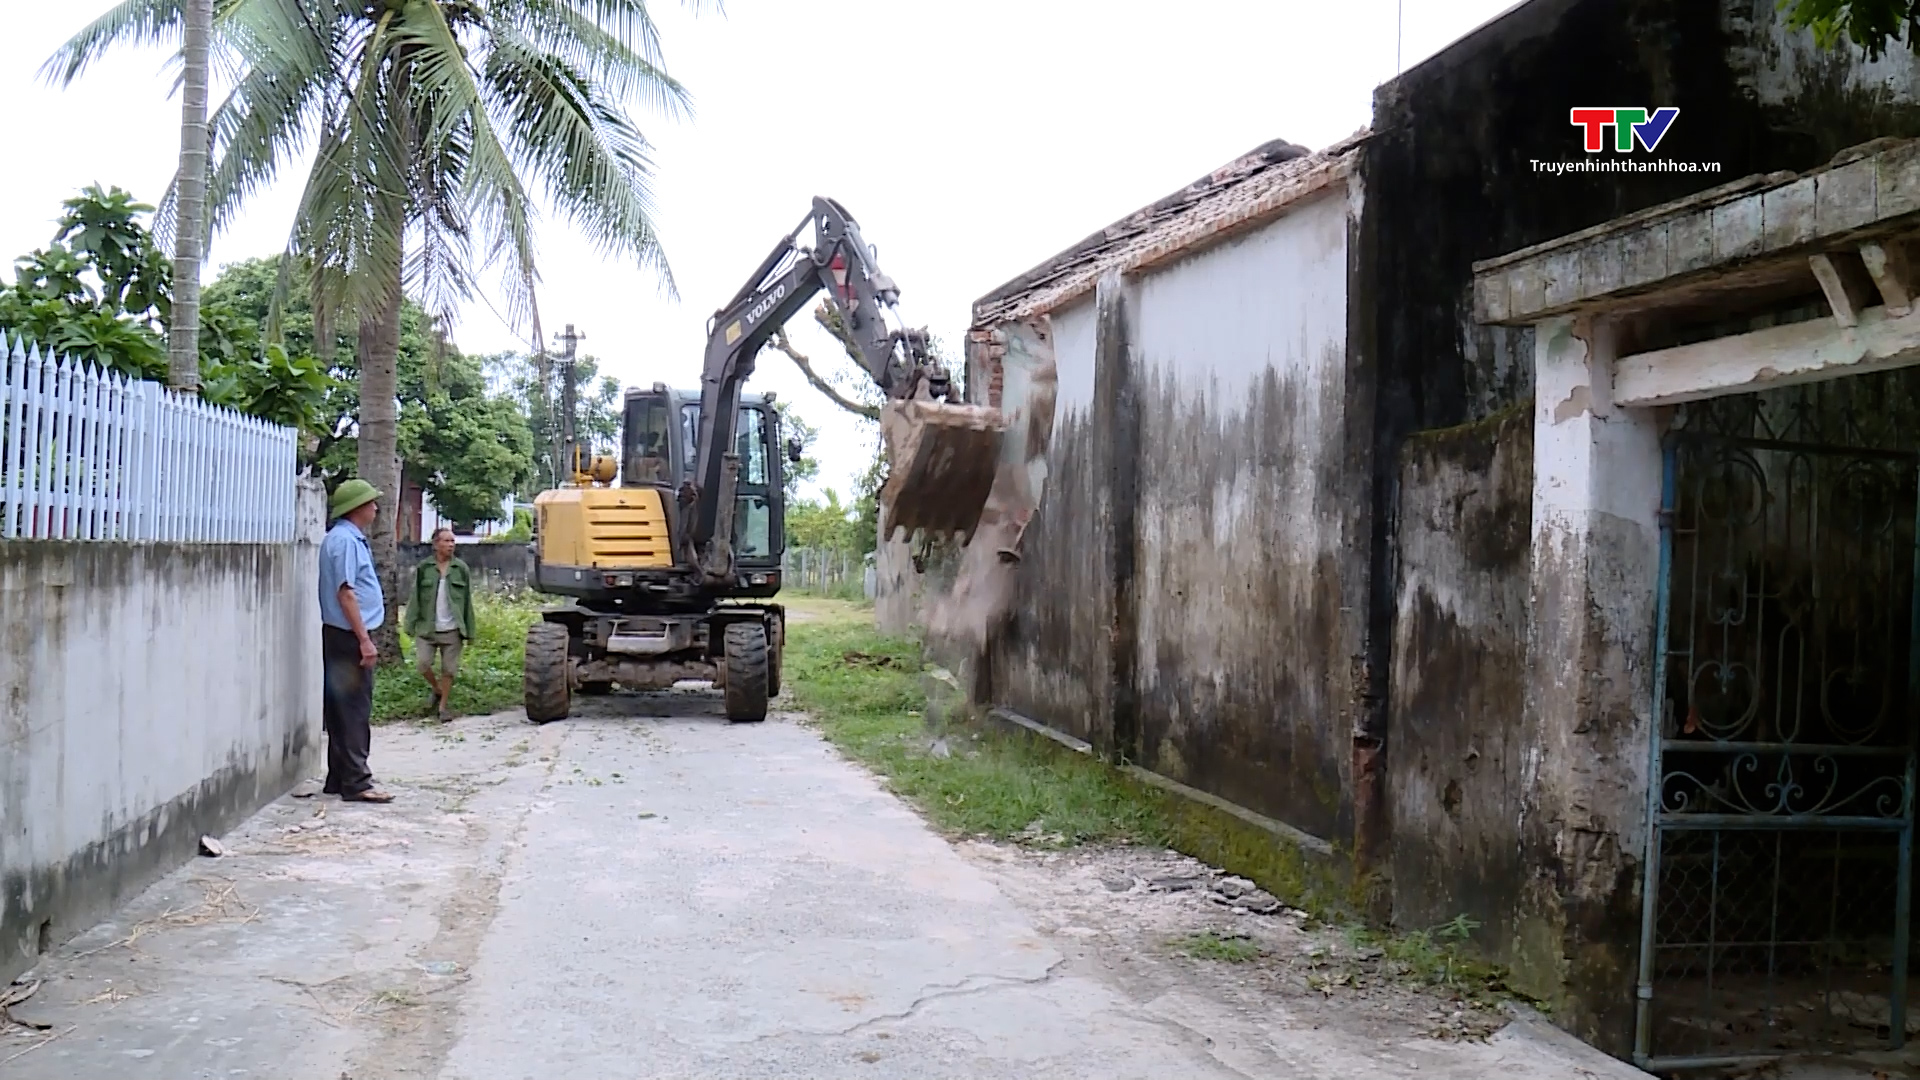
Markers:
(1779, 858)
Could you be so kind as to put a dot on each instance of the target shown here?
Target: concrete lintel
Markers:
(1695, 241)
(1777, 356)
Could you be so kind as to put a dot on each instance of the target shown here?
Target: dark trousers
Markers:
(347, 713)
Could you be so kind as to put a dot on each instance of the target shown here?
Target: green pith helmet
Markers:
(349, 497)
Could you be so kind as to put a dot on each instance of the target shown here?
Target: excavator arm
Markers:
(840, 265)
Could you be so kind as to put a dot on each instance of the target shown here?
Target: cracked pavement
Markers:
(648, 891)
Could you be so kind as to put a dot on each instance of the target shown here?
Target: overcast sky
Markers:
(970, 140)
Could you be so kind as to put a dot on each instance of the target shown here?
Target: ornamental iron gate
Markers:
(1780, 853)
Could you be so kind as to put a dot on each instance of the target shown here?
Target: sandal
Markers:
(370, 795)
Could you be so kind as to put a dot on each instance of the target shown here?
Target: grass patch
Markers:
(868, 694)
(1225, 948)
(1439, 957)
(490, 666)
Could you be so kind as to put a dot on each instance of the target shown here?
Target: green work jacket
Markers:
(426, 585)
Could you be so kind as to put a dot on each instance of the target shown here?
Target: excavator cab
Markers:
(660, 449)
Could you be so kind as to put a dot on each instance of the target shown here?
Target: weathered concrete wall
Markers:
(1187, 596)
(1238, 366)
(153, 693)
(900, 589)
(1449, 164)
(1450, 180)
(1459, 677)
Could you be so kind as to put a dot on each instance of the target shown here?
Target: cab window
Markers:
(753, 507)
(690, 438)
(649, 442)
(752, 448)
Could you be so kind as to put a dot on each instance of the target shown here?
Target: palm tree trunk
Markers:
(379, 460)
(190, 231)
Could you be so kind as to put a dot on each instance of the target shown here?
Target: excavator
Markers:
(667, 560)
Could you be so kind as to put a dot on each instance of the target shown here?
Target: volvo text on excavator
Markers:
(669, 558)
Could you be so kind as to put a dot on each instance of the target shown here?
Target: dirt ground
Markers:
(1141, 914)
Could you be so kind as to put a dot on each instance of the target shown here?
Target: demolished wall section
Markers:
(1049, 659)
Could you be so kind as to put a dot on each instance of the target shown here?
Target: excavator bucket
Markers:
(941, 461)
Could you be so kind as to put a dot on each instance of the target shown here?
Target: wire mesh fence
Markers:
(840, 574)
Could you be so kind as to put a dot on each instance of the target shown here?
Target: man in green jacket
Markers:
(440, 617)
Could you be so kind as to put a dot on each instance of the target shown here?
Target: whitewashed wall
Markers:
(149, 693)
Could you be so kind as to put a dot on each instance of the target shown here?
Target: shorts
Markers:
(445, 642)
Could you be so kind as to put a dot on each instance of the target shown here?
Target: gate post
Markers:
(1596, 496)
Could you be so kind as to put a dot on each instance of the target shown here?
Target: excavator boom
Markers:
(942, 454)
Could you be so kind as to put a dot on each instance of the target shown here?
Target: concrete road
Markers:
(650, 892)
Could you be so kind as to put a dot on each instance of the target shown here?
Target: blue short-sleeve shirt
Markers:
(346, 559)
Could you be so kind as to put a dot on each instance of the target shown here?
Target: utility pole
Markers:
(566, 450)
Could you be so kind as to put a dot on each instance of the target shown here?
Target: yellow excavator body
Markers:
(603, 528)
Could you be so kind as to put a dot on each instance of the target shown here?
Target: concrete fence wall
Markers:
(499, 566)
(149, 693)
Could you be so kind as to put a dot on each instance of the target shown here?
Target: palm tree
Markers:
(183, 331)
(427, 120)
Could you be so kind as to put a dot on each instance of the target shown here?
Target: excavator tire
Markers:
(548, 685)
(746, 659)
(941, 461)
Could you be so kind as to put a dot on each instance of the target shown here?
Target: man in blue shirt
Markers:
(351, 608)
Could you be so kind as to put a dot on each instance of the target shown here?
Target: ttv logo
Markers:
(1627, 125)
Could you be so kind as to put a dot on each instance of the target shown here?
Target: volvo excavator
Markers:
(668, 559)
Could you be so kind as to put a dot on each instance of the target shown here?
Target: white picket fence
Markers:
(87, 454)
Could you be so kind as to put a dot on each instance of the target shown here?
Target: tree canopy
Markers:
(1870, 24)
(101, 293)
(826, 525)
(466, 445)
(432, 126)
